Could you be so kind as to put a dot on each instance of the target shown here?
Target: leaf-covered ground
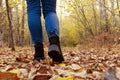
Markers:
(80, 64)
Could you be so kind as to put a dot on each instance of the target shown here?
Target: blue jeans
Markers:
(34, 21)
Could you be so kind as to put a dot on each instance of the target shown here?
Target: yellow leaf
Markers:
(62, 64)
(81, 69)
(1, 10)
(1, 60)
(117, 9)
(16, 71)
(119, 38)
(67, 78)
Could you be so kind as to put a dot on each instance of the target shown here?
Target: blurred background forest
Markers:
(82, 22)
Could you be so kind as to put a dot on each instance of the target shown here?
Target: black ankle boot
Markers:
(39, 51)
(55, 50)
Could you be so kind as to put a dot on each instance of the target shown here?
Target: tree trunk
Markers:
(101, 11)
(1, 38)
(118, 7)
(18, 27)
(22, 32)
(85, 21)
(95, 19)
(11, 44)
(0, 2)
(105, 17)
(113, 13)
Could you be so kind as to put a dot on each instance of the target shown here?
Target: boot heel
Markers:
(39, 51)
(55, 53)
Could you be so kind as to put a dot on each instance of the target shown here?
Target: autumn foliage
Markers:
(80, 64)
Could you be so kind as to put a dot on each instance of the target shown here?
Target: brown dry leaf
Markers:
(43, 70)
(22, 59)
(8, 76)
(79, 62)
(42, 77)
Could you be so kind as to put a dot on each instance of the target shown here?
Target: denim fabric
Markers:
(48, 8)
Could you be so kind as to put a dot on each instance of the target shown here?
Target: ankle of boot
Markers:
(39, 50)
(54, 40)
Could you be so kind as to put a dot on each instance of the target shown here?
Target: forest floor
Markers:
(97, 63)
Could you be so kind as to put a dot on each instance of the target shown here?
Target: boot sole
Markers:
(56, 56)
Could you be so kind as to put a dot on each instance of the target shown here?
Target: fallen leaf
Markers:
(24, 72)
(67, 78)
(62, 64)
(43, 70)
(65, 73)
(16, 71)
(54, 77)
(31, 74)
(8, 76)
(42, 77)
(75, 67)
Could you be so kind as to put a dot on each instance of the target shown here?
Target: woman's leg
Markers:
(52, 27)
(50, 16)
(34, 21)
